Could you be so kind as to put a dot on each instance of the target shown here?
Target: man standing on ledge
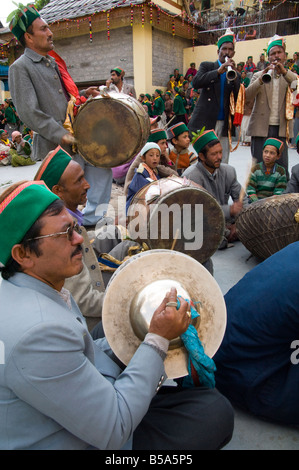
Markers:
(212, 110)
(42, 88)
(118, 84)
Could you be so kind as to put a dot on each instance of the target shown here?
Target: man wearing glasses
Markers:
(60, 389)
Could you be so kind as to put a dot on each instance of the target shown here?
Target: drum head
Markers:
(151, 274)
(110, 131)
(184, 217)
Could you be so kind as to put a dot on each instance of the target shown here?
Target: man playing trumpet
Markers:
(212, 110)
(272, 110)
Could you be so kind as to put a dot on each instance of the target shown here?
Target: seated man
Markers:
(257, 362)
(65, 178)
(220, 179)
(267, 178)
(61, 390)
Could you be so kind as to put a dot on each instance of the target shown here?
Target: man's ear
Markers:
(57, 189)
(201, 156)
(22, 256)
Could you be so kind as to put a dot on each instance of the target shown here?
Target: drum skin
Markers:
(268, 225)
(179, 192)
(111, 129)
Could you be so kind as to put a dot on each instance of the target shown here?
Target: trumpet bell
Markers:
(267, 77)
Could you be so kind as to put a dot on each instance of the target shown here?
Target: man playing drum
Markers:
(220, 179)
(37, 78)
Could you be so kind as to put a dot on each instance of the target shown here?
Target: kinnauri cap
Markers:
(19, 211)
(20, 19)
(227, 37)
(275, 142)
(177, 130)
(53, 167)
(276, 41)
(156, 135)
(204, 139)
(118, 70)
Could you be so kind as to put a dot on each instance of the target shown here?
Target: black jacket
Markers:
(207, 107)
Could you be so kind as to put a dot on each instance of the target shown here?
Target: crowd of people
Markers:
(61, 386)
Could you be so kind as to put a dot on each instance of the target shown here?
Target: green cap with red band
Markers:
(53, 167)
(19, 20)
(204, 139)
(19, 211)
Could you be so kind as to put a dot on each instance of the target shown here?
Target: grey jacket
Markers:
(59, 389)
(261, 96)
(293, 184)
(40, 100)
(222, 184)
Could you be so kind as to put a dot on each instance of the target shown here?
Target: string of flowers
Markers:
(142, 16)
(132, 14)
(90, 30)
(151, 4)
(108, 25)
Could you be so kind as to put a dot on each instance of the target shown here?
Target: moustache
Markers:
(77, 251)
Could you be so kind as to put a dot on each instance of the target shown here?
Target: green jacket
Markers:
(159, 106)
(10, 116)
(178, 105)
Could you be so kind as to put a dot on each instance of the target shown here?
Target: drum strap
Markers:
(75, 100)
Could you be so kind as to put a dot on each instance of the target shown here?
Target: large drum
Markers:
(269, 225)
(152, 274)
(111, 129)
(176, 213)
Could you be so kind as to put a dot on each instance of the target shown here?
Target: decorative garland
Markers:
(185, 19)
(152, 5)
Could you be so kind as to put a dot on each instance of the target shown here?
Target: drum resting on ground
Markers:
(176, 213)
(111, 129)
(268, 225)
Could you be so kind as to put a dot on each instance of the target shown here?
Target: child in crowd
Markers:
(5, 145)
(146, 172)
(20, 150)
(267, 177)
(181, 156)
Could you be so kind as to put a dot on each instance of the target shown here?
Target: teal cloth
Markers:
(203, 364)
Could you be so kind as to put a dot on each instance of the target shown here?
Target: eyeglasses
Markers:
(69, 233)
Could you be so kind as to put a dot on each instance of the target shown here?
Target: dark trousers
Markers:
(185, 419)
(257, 144)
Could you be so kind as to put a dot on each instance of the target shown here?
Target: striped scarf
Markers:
(236, 110)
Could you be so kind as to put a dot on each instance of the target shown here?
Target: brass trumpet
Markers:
(231, 74)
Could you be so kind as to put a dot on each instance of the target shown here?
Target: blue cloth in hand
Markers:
(203, 364)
